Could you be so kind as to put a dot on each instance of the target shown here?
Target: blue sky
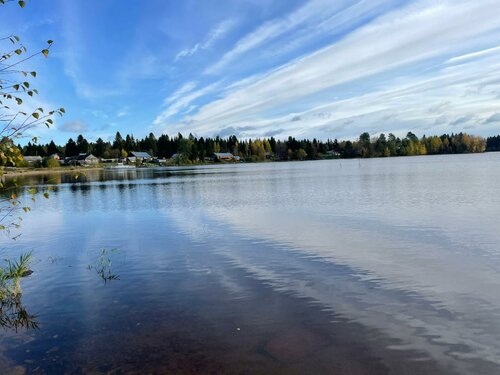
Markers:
(253, 68)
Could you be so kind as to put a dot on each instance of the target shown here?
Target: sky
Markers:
(259, 68)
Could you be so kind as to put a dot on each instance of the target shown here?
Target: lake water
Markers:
(328, 267)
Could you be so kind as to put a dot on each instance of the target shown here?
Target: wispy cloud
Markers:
(493, 118)
(181, 100)
(272, 30)
(74, 127)
(184, 89)
(213, 36)
(424, 31)
(122, 112)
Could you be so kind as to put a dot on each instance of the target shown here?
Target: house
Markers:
(82, 159)
(56, 156)
(223, 156)
(139, 155)
(33, 159)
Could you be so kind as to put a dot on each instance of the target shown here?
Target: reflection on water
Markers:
(14, 316)
(383, 266)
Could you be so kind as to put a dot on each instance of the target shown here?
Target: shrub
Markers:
(51, 163)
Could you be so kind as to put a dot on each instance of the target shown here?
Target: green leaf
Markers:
(19, 101)
(16, 87)
(46, 195)
(35, 115)
(33, 74)
(45, 52)
(21, 3)
(50, 41)
(62, 110)
(18, 51)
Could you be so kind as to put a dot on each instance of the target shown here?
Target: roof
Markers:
(223, 155)
(85, 156)
(140, 154)
(32, 158)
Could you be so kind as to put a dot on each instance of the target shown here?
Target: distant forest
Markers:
(193, 148)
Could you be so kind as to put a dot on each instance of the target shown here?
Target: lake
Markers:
(373, 266)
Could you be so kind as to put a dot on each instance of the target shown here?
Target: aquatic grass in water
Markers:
(19, 268)
(103, 265)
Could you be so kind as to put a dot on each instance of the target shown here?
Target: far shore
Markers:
(10, 173)
(18, 172)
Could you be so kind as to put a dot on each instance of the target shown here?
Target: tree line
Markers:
(197, 148)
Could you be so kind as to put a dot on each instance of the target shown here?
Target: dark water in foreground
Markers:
(333, 267)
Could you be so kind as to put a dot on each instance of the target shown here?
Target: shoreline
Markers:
(10, 173)
(41, 171)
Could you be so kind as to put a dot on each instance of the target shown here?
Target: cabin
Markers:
(223, 156)
(56, 156)
(32, 160)
(82, 159)
(139, 155)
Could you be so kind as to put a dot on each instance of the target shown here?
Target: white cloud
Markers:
(493, 118)
(122, 112)
(474, 55)
(74, 127)
(275, 28)
(213, 36)
(181, 100)
(424, 31)
(184, 89)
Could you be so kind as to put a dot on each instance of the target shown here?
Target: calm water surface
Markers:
(330, 267)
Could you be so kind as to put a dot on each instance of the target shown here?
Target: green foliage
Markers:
(493, 143)
(51, 163)
(16, 269)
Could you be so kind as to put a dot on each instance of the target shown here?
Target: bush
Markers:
(51, 163)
